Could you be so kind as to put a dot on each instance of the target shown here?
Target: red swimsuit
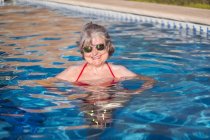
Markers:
(85, 84)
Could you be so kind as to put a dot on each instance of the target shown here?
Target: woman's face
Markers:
(97, 53)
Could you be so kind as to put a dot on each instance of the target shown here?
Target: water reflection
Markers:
(27, 33)
(37, 43)
(96, 103)
(99, 105)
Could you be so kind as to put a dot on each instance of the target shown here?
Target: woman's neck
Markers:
(96, 69)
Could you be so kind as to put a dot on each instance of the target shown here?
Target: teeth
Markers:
(96, 57)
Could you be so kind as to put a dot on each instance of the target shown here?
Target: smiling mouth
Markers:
(96, 57)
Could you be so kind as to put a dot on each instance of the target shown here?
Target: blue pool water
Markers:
(38, 43)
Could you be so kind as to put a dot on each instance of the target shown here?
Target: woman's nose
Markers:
(94, 51)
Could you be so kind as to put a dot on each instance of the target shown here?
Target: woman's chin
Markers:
(97, 63)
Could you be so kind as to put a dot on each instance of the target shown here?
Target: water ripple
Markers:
(38, 43)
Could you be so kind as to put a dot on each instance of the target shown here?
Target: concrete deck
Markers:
(184, 14)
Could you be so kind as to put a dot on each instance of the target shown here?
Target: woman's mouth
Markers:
(96, 57)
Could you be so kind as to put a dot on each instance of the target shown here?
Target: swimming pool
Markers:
(37, 43)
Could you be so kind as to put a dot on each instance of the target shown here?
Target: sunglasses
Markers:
(88, 49)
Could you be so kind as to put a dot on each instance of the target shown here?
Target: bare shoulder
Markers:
(70, 74)
(121, 71)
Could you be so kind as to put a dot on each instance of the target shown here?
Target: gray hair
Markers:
(91, 30)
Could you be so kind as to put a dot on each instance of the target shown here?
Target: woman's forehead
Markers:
(97, 40)
(94, 40)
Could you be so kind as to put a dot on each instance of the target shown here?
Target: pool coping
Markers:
(184, 14)
(163, 15)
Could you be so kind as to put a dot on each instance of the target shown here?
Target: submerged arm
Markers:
(149, 83)
(124, 74)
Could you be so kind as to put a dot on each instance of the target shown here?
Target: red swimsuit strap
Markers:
(110, 70)
(81, 71)
(85, 67)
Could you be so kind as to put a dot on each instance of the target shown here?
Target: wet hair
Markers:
(91, 30)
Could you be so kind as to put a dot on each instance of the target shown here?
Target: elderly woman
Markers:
(96, 47)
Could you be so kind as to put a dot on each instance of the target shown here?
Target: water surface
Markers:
(38, 43)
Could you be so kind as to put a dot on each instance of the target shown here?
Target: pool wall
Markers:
(188, 27)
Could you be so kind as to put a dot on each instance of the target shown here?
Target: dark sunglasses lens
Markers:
(87, 49)
(100, 47)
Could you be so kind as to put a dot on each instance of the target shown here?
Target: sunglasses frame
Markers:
(96, 46)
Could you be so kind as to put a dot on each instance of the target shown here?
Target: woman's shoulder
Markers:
(70, 73)
(121, 71)
(116, 67)
(75, 68)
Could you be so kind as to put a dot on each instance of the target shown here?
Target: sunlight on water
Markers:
(38, 43)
